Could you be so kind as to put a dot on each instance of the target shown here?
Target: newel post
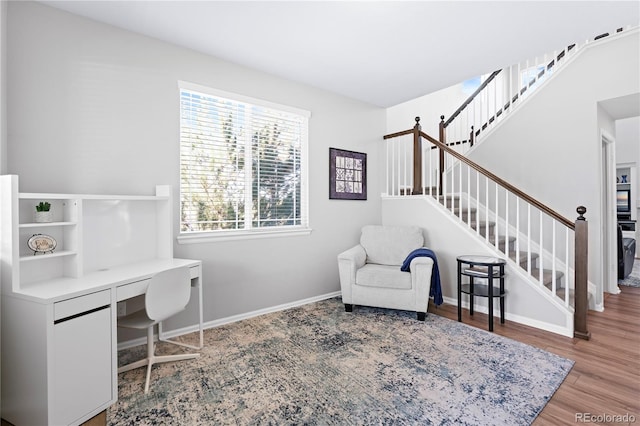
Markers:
(417, 159)
(581, 275)
(443, 139)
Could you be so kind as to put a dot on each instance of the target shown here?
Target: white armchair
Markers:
(370, 272)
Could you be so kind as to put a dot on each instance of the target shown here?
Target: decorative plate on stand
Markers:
(41, 243)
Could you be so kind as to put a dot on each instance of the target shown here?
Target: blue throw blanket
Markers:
(436, 290)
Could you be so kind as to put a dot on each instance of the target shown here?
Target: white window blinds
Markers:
(241, 163)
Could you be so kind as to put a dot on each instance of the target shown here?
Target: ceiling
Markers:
(382, 53)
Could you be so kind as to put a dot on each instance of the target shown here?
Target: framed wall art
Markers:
(347, 175)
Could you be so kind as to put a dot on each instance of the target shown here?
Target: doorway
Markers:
(609, 218)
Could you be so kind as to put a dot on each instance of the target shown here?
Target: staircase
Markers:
(546, 251)
(533, 237)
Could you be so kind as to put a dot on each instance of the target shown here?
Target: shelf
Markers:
(45, 224)
(92, 231)
(481, 290)
(38, 257)
(124, 197)
(482, 272)
(46, 196)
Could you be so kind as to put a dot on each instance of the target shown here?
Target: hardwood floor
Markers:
(605, 380)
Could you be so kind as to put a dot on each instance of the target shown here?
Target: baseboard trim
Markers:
(564, 331)
(228, 320)
(553, 328)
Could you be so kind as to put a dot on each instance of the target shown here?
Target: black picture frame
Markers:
(347, 175)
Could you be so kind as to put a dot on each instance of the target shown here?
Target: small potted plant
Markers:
(43, 212)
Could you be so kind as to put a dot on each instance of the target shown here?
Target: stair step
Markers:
(449, 200)
(492, 232)
(572, 297)
(523, 258)
(448, 196)
(560, 293)
(482, 223)
(501, 241)
(424, 191)
(465, 212)
(547, 277)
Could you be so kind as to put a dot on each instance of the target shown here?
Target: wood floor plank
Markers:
(605, 380)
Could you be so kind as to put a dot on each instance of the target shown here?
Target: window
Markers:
(533, 76)
(242, 164)
(471, 85)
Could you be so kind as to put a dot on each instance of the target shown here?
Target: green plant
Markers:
(44, 206)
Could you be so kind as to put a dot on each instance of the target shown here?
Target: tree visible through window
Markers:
(241, 163)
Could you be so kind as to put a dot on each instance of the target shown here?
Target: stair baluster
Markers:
(490, 105)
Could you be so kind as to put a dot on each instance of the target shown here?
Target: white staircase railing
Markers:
(502, 91)
(533, 236)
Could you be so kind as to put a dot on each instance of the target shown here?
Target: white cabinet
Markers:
(82, 374)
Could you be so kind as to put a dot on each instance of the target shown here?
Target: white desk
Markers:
(61, 365)
(59, 338)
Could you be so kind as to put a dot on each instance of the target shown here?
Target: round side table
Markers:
(485, 267)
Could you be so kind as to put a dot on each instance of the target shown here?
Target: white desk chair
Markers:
(167, 294)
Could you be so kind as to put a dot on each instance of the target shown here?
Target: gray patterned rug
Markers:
(319, 365)
(633, 280)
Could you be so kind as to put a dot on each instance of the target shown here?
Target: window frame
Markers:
(259, 232)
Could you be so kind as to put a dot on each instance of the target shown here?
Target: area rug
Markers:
(319, 365)
(633, 279)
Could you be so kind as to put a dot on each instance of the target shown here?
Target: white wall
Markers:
(550, 145)
(429, 108)
(3, 87)
(94, 109)
(628, 143)
(628, 140)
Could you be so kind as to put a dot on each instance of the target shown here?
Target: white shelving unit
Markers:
(59, 364)
(626, 179)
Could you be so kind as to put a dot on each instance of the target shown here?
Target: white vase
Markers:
(42, 217)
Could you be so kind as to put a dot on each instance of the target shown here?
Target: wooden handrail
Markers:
(444, 148)
(462, 142)
(395, 135)
(493, 75)
(554, 214)
(471, 98)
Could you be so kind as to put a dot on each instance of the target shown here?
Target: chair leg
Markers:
(151, 348)
(142, 362)
(164, 358)
(348, 307)
(146, 382)
(152, 359)
(133, 365)
(421, 316)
